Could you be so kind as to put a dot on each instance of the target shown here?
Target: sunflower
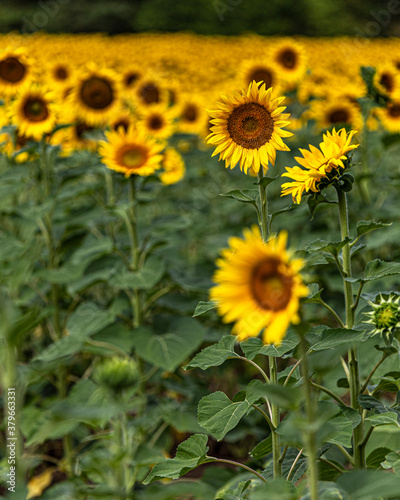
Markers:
(247, 128)
(34, 111)
(387, 80)
(174, 167)
(60, 73)
(158, 121)
(258, 286)
(192, 115)
(121, 117)
(318, 163)
(149, 92)
(390, 116)
(95, 95)
(73, 138)
(290, 57)
(259, 70)
(130, 152)
(131, 76)
(15, 70)
(335, 111)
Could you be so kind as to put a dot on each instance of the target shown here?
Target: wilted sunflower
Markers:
(248, 128)
(174, 167)
(95, 95)
(34, 111)
(130, 152)
(318, 163)
(15, 70)
(258, 286)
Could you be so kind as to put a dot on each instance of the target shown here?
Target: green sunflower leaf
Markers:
(214, 355)
(377, 269)
(203, 307)
(364, 227)
(189, 454)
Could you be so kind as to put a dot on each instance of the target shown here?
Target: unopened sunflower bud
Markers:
(117, 373)
(385, 316)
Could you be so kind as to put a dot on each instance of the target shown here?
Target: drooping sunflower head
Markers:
(95, 95)
(321, 167)
(248, 128)
(385, 316)
(34, 111)
(174, 167)
(387, 80)
(130, 152)
(258, 286)
(15, 70)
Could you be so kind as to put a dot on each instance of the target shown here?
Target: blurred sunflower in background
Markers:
(387, 80)
(259, 70)
(318, 164)
(191, 114)
(95, 95)
(16, 70)
(174, 167)
(248, 128)
(149, 92)
(258, 286)
(34, 111)
(335, 111)
(158, 121)
(290, 57)
(130, 152)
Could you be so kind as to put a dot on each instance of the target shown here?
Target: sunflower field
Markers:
(199, 267)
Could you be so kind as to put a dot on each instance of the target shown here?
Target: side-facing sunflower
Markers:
(318, 164)
(248, 128)
(387, 80)
(130, 152)
(258, 286)
(34, 111)
(16, 70)
(95, 95)
(174, 167)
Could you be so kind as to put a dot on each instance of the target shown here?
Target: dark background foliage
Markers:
(225, 17)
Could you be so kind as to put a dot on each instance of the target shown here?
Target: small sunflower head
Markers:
(385, 317)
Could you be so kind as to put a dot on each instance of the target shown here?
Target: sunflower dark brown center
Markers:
(261, 74)
(394, 110)
(35, 109)
(387, 81)
(97, 92)
(339, 116)
(149, 93)
(121, 123)
(270, 288)
(155, 122)
(61, 73)
(12, 70)
(190, 113)
(132, 156)
(288, 58)
(131, 78)
(250, 125)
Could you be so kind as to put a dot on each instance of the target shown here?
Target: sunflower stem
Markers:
(264, 205)
(275, 414)
(310, 436)
(135, 251)
(354, 376)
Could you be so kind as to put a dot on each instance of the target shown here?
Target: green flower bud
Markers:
(116, 373)
(385, 316)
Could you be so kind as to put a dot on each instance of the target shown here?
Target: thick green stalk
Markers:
(273, 372)
(310, 436)
(135, 251)
(358, 434)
